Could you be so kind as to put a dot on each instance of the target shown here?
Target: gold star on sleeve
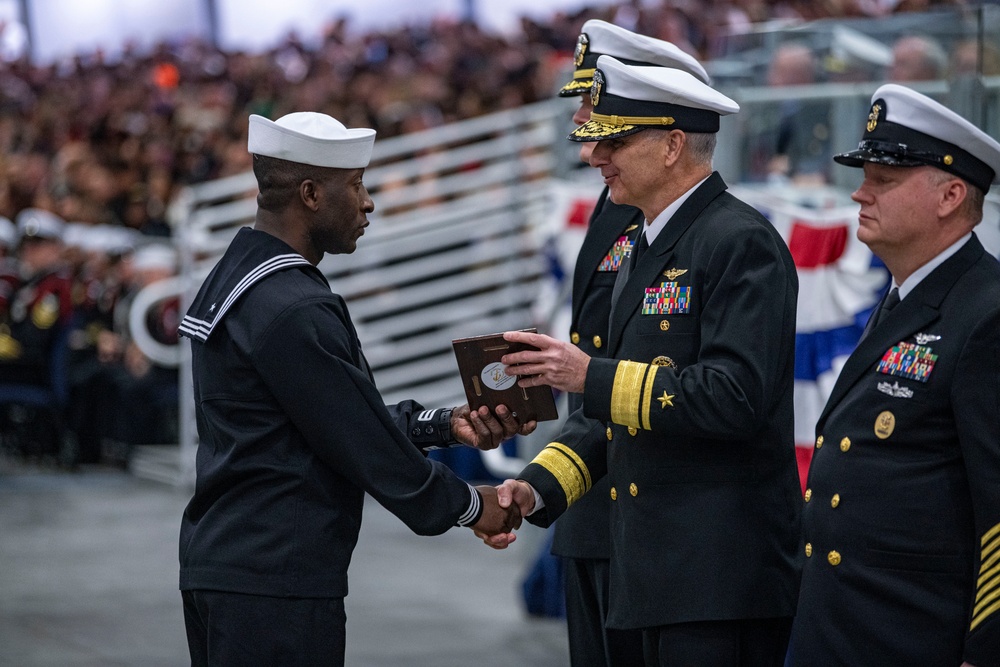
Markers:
(666, 399)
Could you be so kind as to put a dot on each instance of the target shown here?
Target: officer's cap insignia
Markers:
(582, 42)
(895, 390)
(923, 339)
(672, 274)
(597, 87)
(664, 361)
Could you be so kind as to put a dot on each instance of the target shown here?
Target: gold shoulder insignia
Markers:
(673, 273)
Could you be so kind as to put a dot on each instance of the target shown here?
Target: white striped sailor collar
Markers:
(252, 256)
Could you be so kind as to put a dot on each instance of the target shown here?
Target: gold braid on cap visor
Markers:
(619, 121)
(600, 125)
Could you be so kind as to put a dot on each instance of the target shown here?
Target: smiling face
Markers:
(633, 168)
(343, 211)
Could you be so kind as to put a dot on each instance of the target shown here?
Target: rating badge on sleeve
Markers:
(669, 298)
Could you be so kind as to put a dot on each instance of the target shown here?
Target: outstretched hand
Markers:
(496, 523)
(482, 430)
(512, 496)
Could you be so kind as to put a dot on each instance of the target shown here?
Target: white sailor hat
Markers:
(154, 256)
(36, 223)
(599, 38)
(8, 233)
(311, 138)
(907, 129)
(630, 99)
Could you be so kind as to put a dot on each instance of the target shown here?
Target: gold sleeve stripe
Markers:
(568, 469)
(990, 534)
(992, 546)
(985, 588)
(647, 396)
(988, 574)
(991, 561)
(979, 618)
(627, 392)
(988, 599)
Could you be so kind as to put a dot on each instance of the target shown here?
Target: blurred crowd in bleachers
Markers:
(92, 153)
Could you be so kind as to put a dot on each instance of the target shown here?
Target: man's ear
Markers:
(673, 146)
(309, 194)
(952, 194)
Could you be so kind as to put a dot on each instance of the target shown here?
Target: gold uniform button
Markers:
(809, 550)
(808, 495)
(614, 493)
(609, 433)
(834, 558)
(575, 337)
(632, 430)
(835, 500)
(664, 325)
(819, 442)
(597, 341)
(845, 444)
(633, 489)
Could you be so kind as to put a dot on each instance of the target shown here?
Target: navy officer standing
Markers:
(902, 511)
(293, 431)
(581, 534)
(690, 414)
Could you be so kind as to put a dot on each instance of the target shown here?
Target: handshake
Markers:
(504, 507)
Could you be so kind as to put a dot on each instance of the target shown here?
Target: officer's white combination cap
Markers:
(39, 223)
(311, 138)
(907, 129)
(629, 99)
(600, 38)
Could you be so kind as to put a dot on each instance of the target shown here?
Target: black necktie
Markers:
(890, 302)
(640, 247)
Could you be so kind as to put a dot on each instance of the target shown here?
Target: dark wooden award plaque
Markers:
(486, 383)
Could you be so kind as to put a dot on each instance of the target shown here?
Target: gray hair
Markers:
(701, 146)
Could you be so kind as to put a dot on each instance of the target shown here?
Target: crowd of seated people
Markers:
(106, 146)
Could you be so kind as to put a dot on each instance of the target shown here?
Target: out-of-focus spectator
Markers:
(970, 57)
(917, 58)
(146, 410)
(854, 56)
(32, 334)
(801, 149)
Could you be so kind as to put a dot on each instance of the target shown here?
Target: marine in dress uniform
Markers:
(579, 534)
(902, 506)
(292, 429)
(33, 326)
(690, 414)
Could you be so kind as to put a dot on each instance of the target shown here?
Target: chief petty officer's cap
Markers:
(37, 223)
(311, 138)
(599, 38)
(907, 129)
(630, 99)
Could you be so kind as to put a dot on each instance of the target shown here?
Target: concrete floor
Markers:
(88, 578)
